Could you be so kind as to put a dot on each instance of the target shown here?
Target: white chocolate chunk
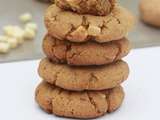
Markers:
(18, 34)
(14, 32)
(26, 17)
(93, 30)
(8, 30)
(13, 42)
(3, 38)
(29, 34)
(32, 26)
(4, 47)
(10, 40)
(80, 34)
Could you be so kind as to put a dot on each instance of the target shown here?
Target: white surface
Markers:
(142, 101)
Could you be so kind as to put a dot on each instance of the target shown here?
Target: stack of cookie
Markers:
(83, 69)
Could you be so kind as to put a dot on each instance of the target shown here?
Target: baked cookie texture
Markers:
(83, 78)
(67, 25)
(87, 53)
(150, 12)
(93, 7)
(85, 104)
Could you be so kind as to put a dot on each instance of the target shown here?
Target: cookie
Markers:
(87, 104)
(94, 7)
(87, 53)
(67, 25)
(150, 12)
(83, 78)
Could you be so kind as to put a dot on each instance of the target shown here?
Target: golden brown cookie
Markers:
(87, 104)
(87, 53)
(83, 78)
(94, 7)
(67, 25)
(150, 12)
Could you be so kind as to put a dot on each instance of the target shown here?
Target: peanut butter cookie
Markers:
(150, 12)
(94, 7)
(67, 25)
(83, 78)
(87, 53)
(87, 104)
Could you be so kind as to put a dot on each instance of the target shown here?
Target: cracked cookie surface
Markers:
(87, 104)
(67, 25)
(150, 12)
(94, 7)
(83, 78)
(87, 53)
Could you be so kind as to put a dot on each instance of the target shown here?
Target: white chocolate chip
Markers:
(18, 34)
(3, 38)
(26, 17)
(29, 34)
(8, 30)
(94, 30)
(13, 42)
(32, 26)
(80, 34)
(4, 47)
(15, 32)
(12, 31)
(103, 95)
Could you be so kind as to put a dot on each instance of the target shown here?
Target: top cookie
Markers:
(67, 25)
(94, 7)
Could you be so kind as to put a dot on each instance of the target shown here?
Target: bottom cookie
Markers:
(86, 104)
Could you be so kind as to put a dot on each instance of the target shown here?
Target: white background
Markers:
(142, 100)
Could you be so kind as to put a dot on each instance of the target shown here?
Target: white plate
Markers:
(142, 101)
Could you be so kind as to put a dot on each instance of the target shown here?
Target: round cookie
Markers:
(87, 104)
(94, 7)
(67, 25)
(83, 78)
(150, 12)
(87, 53)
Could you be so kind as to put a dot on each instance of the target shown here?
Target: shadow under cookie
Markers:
(88, 53)
(84, 78)
(87, 104)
